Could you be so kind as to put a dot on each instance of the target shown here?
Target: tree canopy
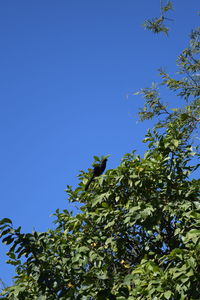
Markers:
(137, 234)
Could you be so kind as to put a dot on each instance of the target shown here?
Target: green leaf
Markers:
(175, 142)
(167, 7)
(168, 294)
(13, 262)
(4, 232)
(99, 199)
(5, 220)
(127, 220)
(102, 276)
(105, 205)
(110, 224)
(8, 240)
(96, 158)
(83, 249)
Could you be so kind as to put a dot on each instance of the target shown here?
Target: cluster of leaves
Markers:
(187, 88)
(157, 25)
(137, 235)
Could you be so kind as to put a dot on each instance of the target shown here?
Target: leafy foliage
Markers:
(157, 25)
(187, 116)
(137, 235)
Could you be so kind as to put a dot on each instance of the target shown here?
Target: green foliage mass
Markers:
(137, 235)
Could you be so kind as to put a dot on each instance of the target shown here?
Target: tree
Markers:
(137, 235)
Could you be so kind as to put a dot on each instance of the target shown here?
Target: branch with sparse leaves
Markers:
(187, 87)
(157, 25)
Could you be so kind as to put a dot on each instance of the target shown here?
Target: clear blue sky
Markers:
(65, 69)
